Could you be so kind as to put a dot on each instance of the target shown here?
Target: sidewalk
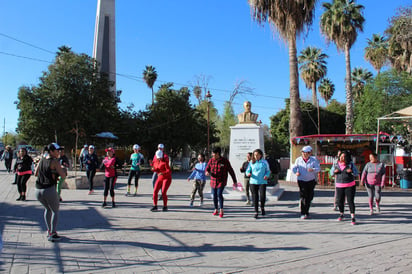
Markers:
(131, 239)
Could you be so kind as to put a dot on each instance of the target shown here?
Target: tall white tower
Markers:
(104, 47)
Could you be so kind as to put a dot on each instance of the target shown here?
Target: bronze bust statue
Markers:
(247, 117)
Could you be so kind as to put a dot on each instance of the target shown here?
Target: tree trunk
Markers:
(314, 94)
(295, 122)
(349, 95)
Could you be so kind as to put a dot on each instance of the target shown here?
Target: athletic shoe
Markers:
(20, 198)
(340, 218)
(104, 204)
(256, 216)
(90, 192)
(191, 204)
(153, 209)
(248, 202)
(113, 204)
(335, 208)
(263, 211)
(165, 208)
(353, 221)
(54, 238)
(127, 194)
(201, 204)
(135, 194)
(378, 209)
(371, 212)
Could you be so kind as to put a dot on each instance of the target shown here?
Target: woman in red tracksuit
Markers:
(164, 179)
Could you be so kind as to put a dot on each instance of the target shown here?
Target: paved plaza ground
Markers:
(132, 239)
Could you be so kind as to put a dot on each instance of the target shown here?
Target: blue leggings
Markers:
(218, 196)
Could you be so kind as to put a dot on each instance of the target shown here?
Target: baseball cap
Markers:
(161, 146)
(54, 146)
(85, 146)
(91, 147)
(136, 146)
(307, 149)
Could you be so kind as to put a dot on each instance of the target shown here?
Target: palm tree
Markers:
(312, 68)
(359, 78)
(399, 35)
(376, 52)
(326, 89)
(340, 23)
(150, 77)
(289, 18)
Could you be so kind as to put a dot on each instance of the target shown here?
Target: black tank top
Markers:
(46, 176)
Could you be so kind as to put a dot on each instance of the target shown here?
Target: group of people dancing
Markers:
(51, 172)
(345, 174)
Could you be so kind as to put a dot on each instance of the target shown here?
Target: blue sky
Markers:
(182, 39)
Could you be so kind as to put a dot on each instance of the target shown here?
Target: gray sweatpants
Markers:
(49, 198)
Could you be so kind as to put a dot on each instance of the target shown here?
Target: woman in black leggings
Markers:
(22, 167)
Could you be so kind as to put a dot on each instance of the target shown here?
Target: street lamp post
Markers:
(208, 96)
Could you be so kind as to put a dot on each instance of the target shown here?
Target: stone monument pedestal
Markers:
(244, 138)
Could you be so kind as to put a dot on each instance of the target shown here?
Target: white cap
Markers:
(307, 149)
(91, 147)
(136, 146)
(161, 146)
(159, 154)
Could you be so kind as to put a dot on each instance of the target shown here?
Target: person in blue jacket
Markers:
(259, 172)
(306, 169)
(198, 174)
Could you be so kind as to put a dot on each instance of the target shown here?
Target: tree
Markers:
(71, 91)
(326, 89)
(399, 35)
(289, 18)
(312, 68)
(173, 121)
(150, 77)
(376, 51)
(227, 120)
(386, 93)
(340, 23)
(359, 78)
(332, 122)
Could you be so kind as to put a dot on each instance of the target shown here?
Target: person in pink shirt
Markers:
(373, 177)
(109, 164)
(345, 174)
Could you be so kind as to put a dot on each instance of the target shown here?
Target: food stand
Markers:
(326, 147)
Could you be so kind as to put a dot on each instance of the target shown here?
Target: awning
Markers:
(401, 115)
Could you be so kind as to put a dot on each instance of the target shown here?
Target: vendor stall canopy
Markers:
(349, 138)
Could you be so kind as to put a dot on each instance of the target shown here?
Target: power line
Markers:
(26, 43)
(131, 77)
(24, 57)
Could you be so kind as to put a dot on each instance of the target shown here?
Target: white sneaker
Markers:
(201, 204)
(378, 209)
